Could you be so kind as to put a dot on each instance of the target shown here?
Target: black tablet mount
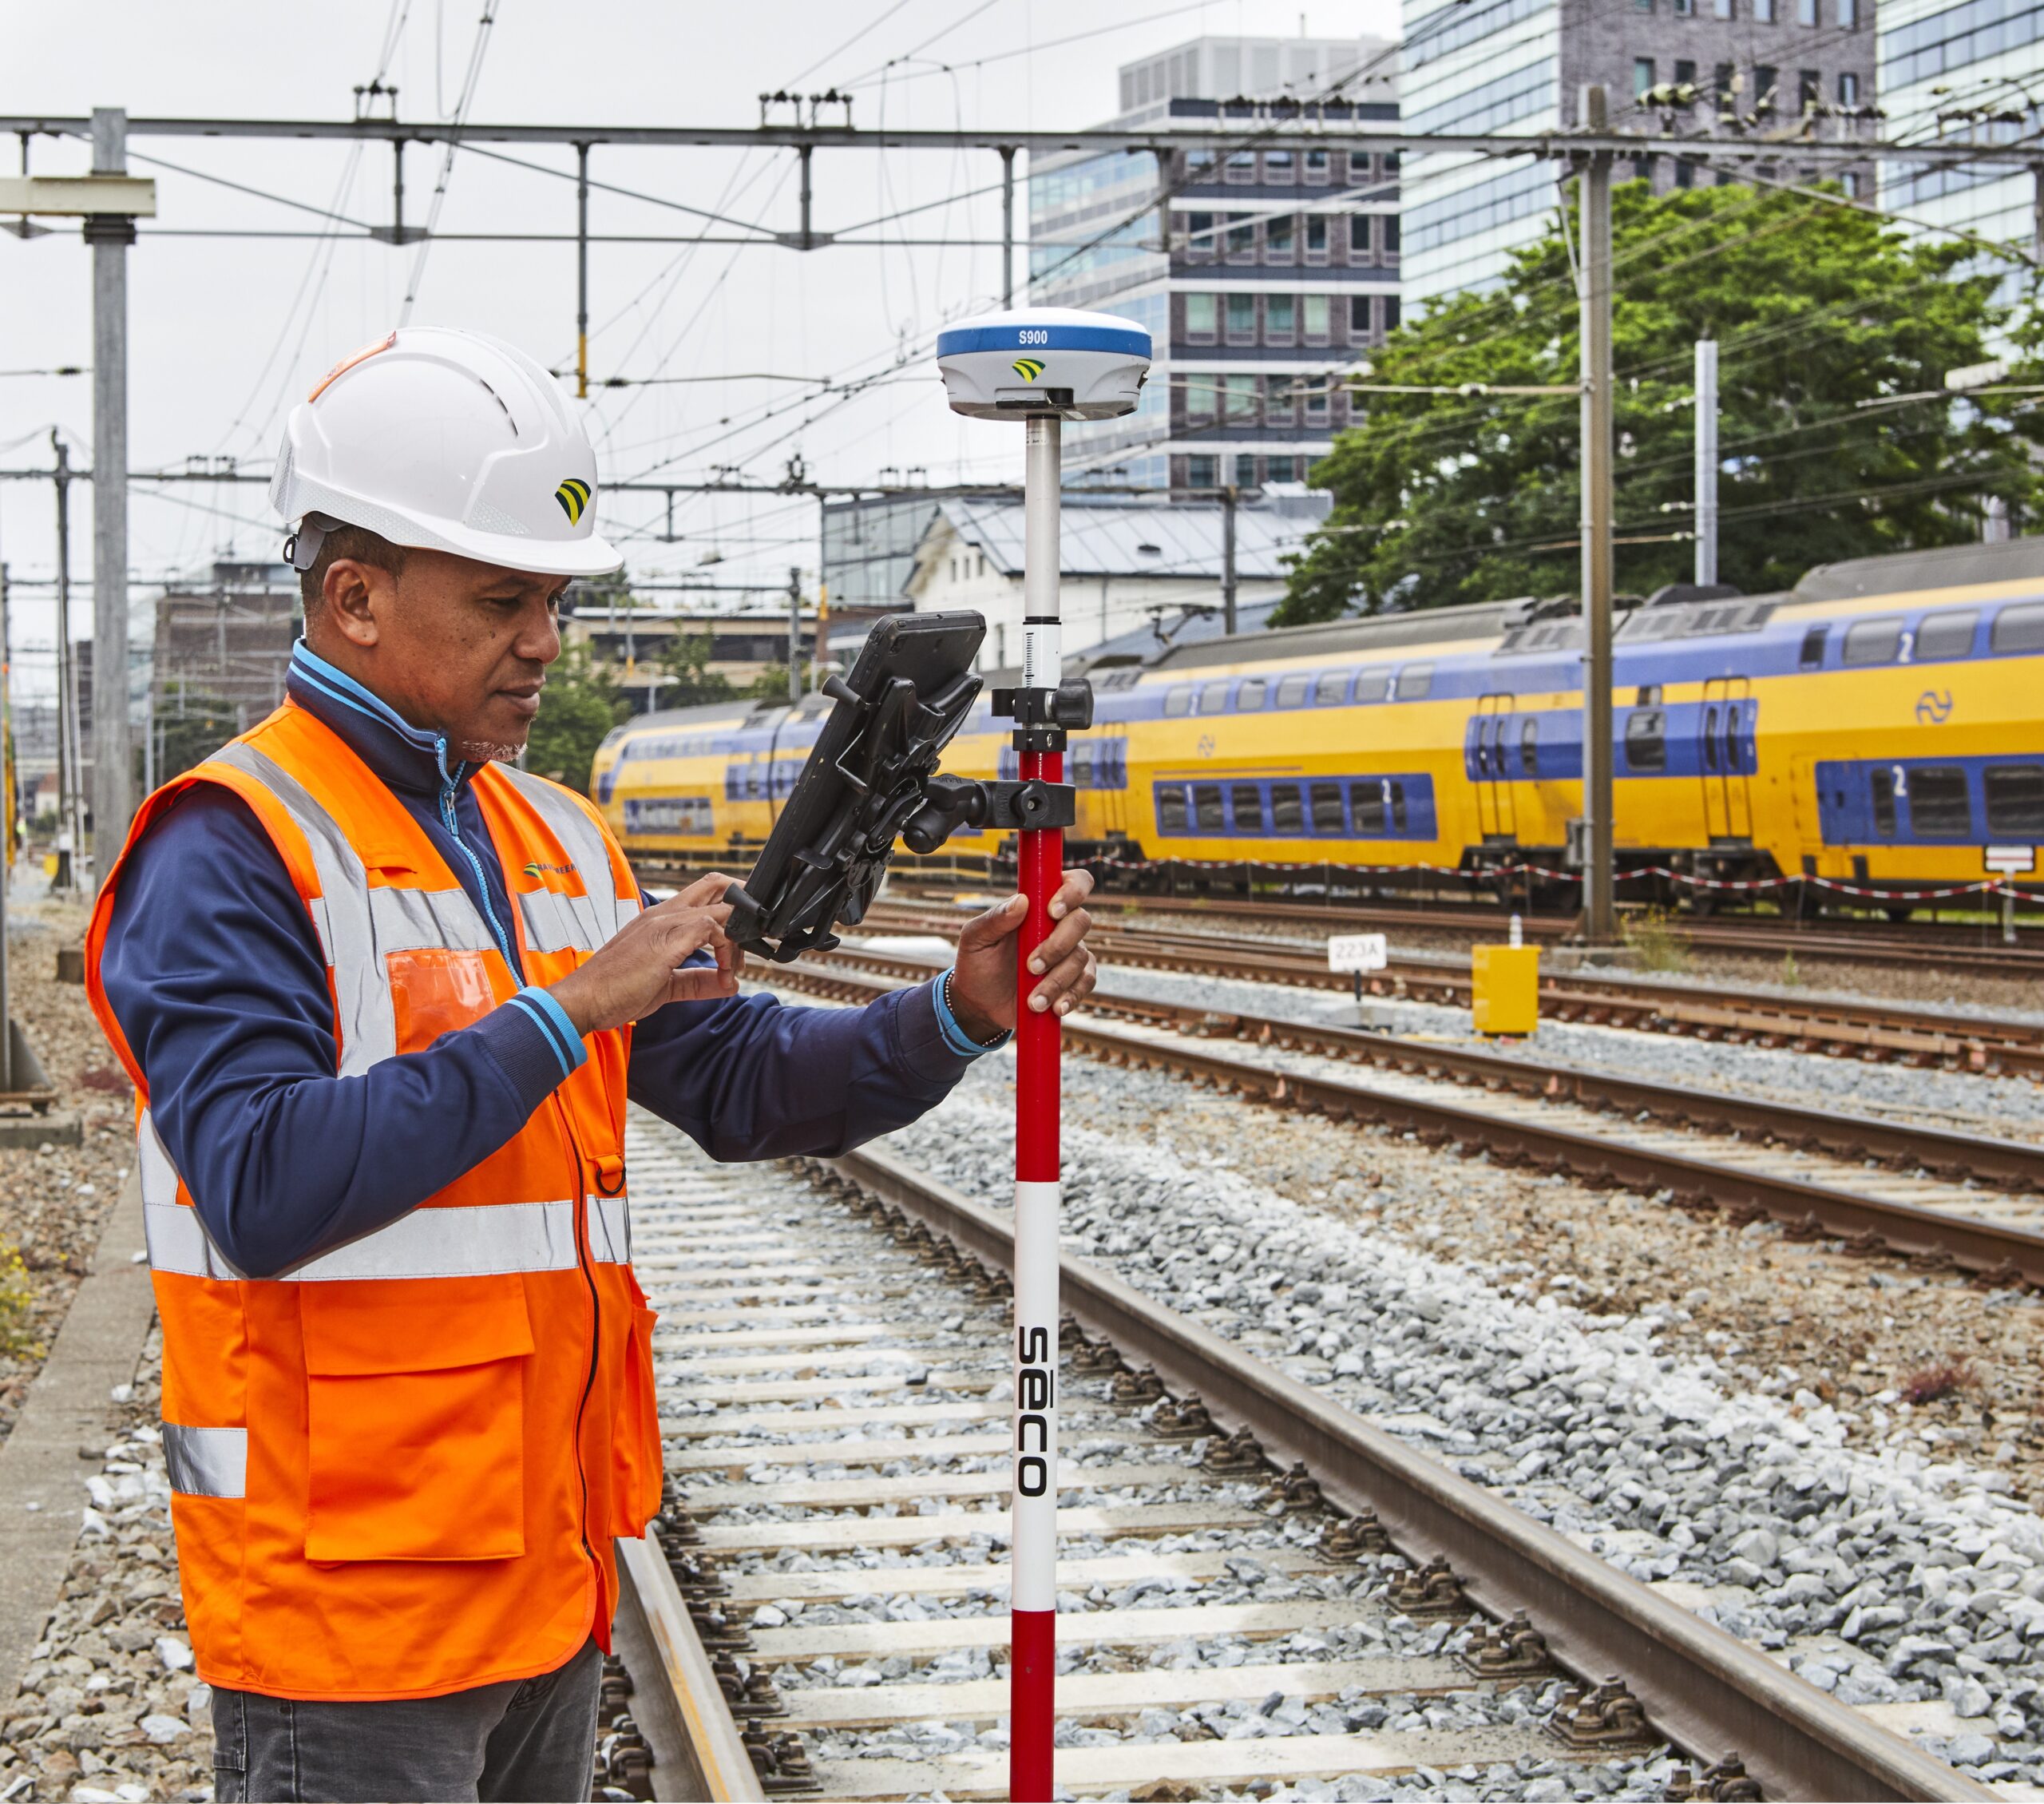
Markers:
(872, 777)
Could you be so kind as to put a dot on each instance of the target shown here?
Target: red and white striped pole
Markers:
(1032, 1681)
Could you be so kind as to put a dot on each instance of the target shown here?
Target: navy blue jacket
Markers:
(214, 973)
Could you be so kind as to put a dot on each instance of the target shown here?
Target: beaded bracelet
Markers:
(986, 1044)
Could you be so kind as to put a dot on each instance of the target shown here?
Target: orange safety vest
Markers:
(397, 1469)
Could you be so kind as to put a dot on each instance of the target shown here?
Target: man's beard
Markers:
(487, 751)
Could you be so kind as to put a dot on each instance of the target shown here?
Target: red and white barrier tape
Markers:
(1992, 885)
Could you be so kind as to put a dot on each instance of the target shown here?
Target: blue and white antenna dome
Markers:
(1044, 360)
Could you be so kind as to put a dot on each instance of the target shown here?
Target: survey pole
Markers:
(1594, 293)
(110, 235)
(1706, 461)
(1040, 856)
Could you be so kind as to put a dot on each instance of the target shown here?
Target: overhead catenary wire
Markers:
(472, 75)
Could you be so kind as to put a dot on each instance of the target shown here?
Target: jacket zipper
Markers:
(448, 785)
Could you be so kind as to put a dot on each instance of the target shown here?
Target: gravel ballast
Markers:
(1891, 1574)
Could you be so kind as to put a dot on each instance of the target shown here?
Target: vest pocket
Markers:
(635, 1490)
(415, 1418)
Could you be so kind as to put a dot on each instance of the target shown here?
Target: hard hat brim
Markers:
(590, 555)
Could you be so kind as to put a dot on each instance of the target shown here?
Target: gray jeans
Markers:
(522, 1741)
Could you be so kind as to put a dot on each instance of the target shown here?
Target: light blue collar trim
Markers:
(340, 687)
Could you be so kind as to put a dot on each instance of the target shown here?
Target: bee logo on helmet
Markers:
(573, 496)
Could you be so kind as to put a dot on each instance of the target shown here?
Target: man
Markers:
(377, 991)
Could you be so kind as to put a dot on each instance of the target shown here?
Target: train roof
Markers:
(1945, 566)
(1379, 632)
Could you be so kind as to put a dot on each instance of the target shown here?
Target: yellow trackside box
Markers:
(1504, 994)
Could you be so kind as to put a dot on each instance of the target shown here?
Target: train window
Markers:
(1646, 741)
(1331, 690)
(2020, 628)
(1082, 766)
(1327, 814)
(1939, 804)
(1170, 808)
(1213, 698)
(1207, 814)
(1813, 638)
(1287, 808)
(1416, 682)
(1293, 692)
(1881, 785)
(1710, 739)
(1873, 641)
(1178, 701)
(1366, 805)
(2015, 801)
(1250, 694)
(1373, 685)
(1529, 747)
(1397, 806)
(1947, 635)
(1647, 695)
(1248, 801)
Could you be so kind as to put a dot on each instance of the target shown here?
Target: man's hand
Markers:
(983, 991)
(637, 972)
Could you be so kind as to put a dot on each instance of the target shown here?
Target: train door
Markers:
(1111, 774)
(1725, 755)
(1493, 744)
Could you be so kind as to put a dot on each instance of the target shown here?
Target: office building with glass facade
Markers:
(1282, 268)
(1972, 73)
(1516, 67)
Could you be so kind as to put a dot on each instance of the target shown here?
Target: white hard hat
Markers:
(446, 440)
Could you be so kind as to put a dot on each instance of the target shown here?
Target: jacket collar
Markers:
(405, 757)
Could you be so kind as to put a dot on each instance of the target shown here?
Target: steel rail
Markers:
(1867, 1030)
(1954, 947)
(701, 1731)
(1705, 1690)
(2009, 1164)
(2006, 1255)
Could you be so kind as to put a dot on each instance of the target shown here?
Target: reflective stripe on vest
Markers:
(459, 1241)
(206, 1462)
(359, 924)
(555, 922)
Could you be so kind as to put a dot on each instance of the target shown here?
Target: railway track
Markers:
(1875, 1032)
(1822, 1175)
(1309, 1599)
(1974, 950)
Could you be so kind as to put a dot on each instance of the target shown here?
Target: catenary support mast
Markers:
(110, 235)
(1706, 461)
(1594, 285)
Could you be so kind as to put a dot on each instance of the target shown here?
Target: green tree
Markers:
(771, 683)
(1835, 330)
(691, 682)
(580, 705)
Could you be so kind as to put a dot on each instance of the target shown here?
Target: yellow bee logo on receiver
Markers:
(573, 496)
(1028, 368)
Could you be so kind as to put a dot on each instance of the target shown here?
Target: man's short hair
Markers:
(355, 542)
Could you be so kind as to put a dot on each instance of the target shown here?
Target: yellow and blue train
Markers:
(1880, 724)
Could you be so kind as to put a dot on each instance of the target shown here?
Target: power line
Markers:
(474, 74)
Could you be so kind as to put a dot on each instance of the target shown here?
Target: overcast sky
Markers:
(226, 333)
